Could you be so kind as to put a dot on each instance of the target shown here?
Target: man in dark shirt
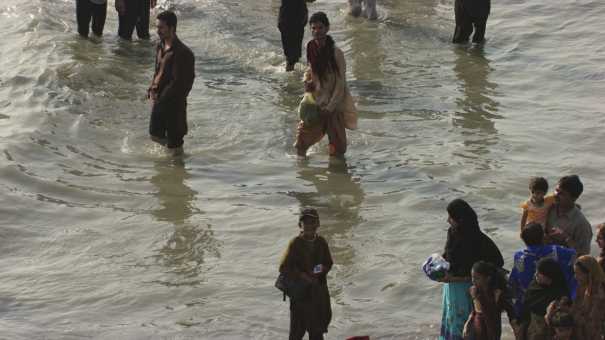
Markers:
(131, 14)
(172, 81)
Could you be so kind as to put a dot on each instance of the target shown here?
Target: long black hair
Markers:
(322, 58)
(497, 280)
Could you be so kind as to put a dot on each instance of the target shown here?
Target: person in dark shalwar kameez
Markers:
(308, 258)
(172, 81)
(291, 23)
(134, 14)
(469, 14)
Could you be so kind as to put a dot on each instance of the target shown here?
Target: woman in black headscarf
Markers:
(547, 286)
(465, 245)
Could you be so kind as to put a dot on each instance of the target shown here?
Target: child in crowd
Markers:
(536, 208)
(490, 298)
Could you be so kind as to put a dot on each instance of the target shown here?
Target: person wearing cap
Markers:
(308, 258)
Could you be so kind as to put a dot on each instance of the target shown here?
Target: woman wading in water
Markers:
(326, 80)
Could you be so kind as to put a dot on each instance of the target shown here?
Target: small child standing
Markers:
(490, 296)
(536, 208)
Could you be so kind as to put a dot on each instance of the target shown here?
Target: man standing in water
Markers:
(291, 23)
(91, 9)
(172, 81)
(470, 13)
(131, 14)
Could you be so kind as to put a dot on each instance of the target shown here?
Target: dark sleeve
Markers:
(183, 74)
(327, 257)
(289, 263)
(155, 72)
(490, 252)
(445, 248)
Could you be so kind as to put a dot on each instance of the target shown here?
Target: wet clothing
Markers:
(524, 269)
(87, 10)
(313, 313)
(469, 14)
(332, 94)
(172, 80)
(136, 15)
(293, 15)
(457, 306)
(575, 225)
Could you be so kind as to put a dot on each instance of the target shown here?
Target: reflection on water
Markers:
(337, 197)
(189, 244)
(476, 110)
(367, 57)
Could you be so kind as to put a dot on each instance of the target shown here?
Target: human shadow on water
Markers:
(476, 108)
(191, 242)
(338, 198)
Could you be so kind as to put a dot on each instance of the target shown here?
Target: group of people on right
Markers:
(555, 290)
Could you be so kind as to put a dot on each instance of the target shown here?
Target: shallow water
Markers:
(103, 236)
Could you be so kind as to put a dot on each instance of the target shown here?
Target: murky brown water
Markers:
(103, 236)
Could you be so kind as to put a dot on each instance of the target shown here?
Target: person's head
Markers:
(568, 190)
(588, 272)
(485, 275)
(166, 25)
(308, 222)
(538, 187)
(461, 216)
(562, 323)
(600, 239)
(549, 274)
(320, 25)
(533, 234)
(320, 50)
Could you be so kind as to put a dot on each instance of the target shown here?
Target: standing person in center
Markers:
(131, 14)
(291, 23)
(308, 258)
(470, 13)
(466, 244)
(172, 81)
(326, 80)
